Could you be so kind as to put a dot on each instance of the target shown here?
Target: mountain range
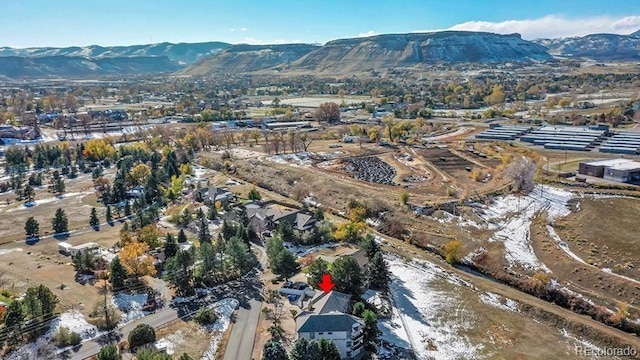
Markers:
(344, 56)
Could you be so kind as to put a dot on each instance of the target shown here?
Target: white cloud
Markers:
(367, 34)
(553, 26)
(232, 29)
(254, 41)
(243, 29)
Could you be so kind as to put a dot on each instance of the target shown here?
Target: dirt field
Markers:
(604, 232)
(189, 338)
(588, 280)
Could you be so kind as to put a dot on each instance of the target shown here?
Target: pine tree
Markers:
(182, 237)
(109, 352)
(300, 350)
(170, 246)
(212, 213)
(378, 273)
(329, 350)
(108, 214)
(370, 330)
(93, 218)
(127, 208)
(117, 274)
(347, 275)
(32, 228)
(59, 186)
(204, 236)
(274, 350)
(60, 222)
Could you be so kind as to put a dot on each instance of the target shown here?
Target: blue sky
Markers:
(124, 22)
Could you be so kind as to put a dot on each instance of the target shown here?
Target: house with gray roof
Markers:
(268, 217)
(327, 317)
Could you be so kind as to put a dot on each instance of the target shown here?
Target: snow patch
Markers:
(74, 321)
(224, 308)
(512, 215)
(498, 301)
(131, 305)
(420, 322)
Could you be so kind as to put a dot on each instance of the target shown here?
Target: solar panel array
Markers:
(504, 132)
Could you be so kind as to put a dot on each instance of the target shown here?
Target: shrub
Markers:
(452, 251)
(206, 316)
(141, 335)
(65, 337)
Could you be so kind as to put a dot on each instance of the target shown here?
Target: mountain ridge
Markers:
(601, 47)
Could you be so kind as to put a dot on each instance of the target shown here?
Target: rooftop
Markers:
(610, 162)
(327, 322)
(331, 302)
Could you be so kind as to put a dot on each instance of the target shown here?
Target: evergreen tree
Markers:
(313, 351)
(182, 237)
(274, 350)
(329, 350)
(28, 193)
(300, 350)
(93, 218)
(117, 274)
(378, 273)
(59, 186)
(32, 228)
(212, 213)
(254, 194)
(204, 236)
(180, 271)
(48, 300)
(370, 330)
(108, 214)
(370, 246)
(170, 246)
(285, 264)
(317, 268)
(14, 317)
(151, 189)
(127, 208)
(171, 166)
(60, 222)
(347, 275)
(239, 254)
(109, 352)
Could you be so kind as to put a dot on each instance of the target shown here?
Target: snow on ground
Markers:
(302, 159)
(304, 250)
(457, 132)
(7, 251)
(512, 215)
(74, 321)
(170, 342)
(51, 199)
(418, 310)
(131, 305)
(224, 308)
(498, 301)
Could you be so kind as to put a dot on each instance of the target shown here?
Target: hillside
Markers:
(596, 46)
(249, 58)
(79, 67)
(376, 52)
(398, 50)
(182, 53)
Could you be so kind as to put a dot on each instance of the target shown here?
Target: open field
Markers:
(604, 231)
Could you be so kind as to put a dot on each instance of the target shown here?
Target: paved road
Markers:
(159, 318)
(243, 334)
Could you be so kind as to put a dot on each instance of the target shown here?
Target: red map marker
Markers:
(326, 285)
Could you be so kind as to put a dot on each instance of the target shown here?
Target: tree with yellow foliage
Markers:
(350, 231)
(139, 174)
(135, 261)
(452, 251)
(98, 149)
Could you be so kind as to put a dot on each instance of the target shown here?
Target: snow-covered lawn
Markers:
(50, 200)
(224, 308)
(170, 342)
(131, 305)
(418, 313)
(512, 215)
(304, 250)
(74, 321)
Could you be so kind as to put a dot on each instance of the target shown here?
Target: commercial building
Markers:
(618, 170)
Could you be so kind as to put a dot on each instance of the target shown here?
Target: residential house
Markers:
(210, 195)
(267, 217)
(329, 320)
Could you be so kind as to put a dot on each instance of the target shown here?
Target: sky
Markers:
(36, 23)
